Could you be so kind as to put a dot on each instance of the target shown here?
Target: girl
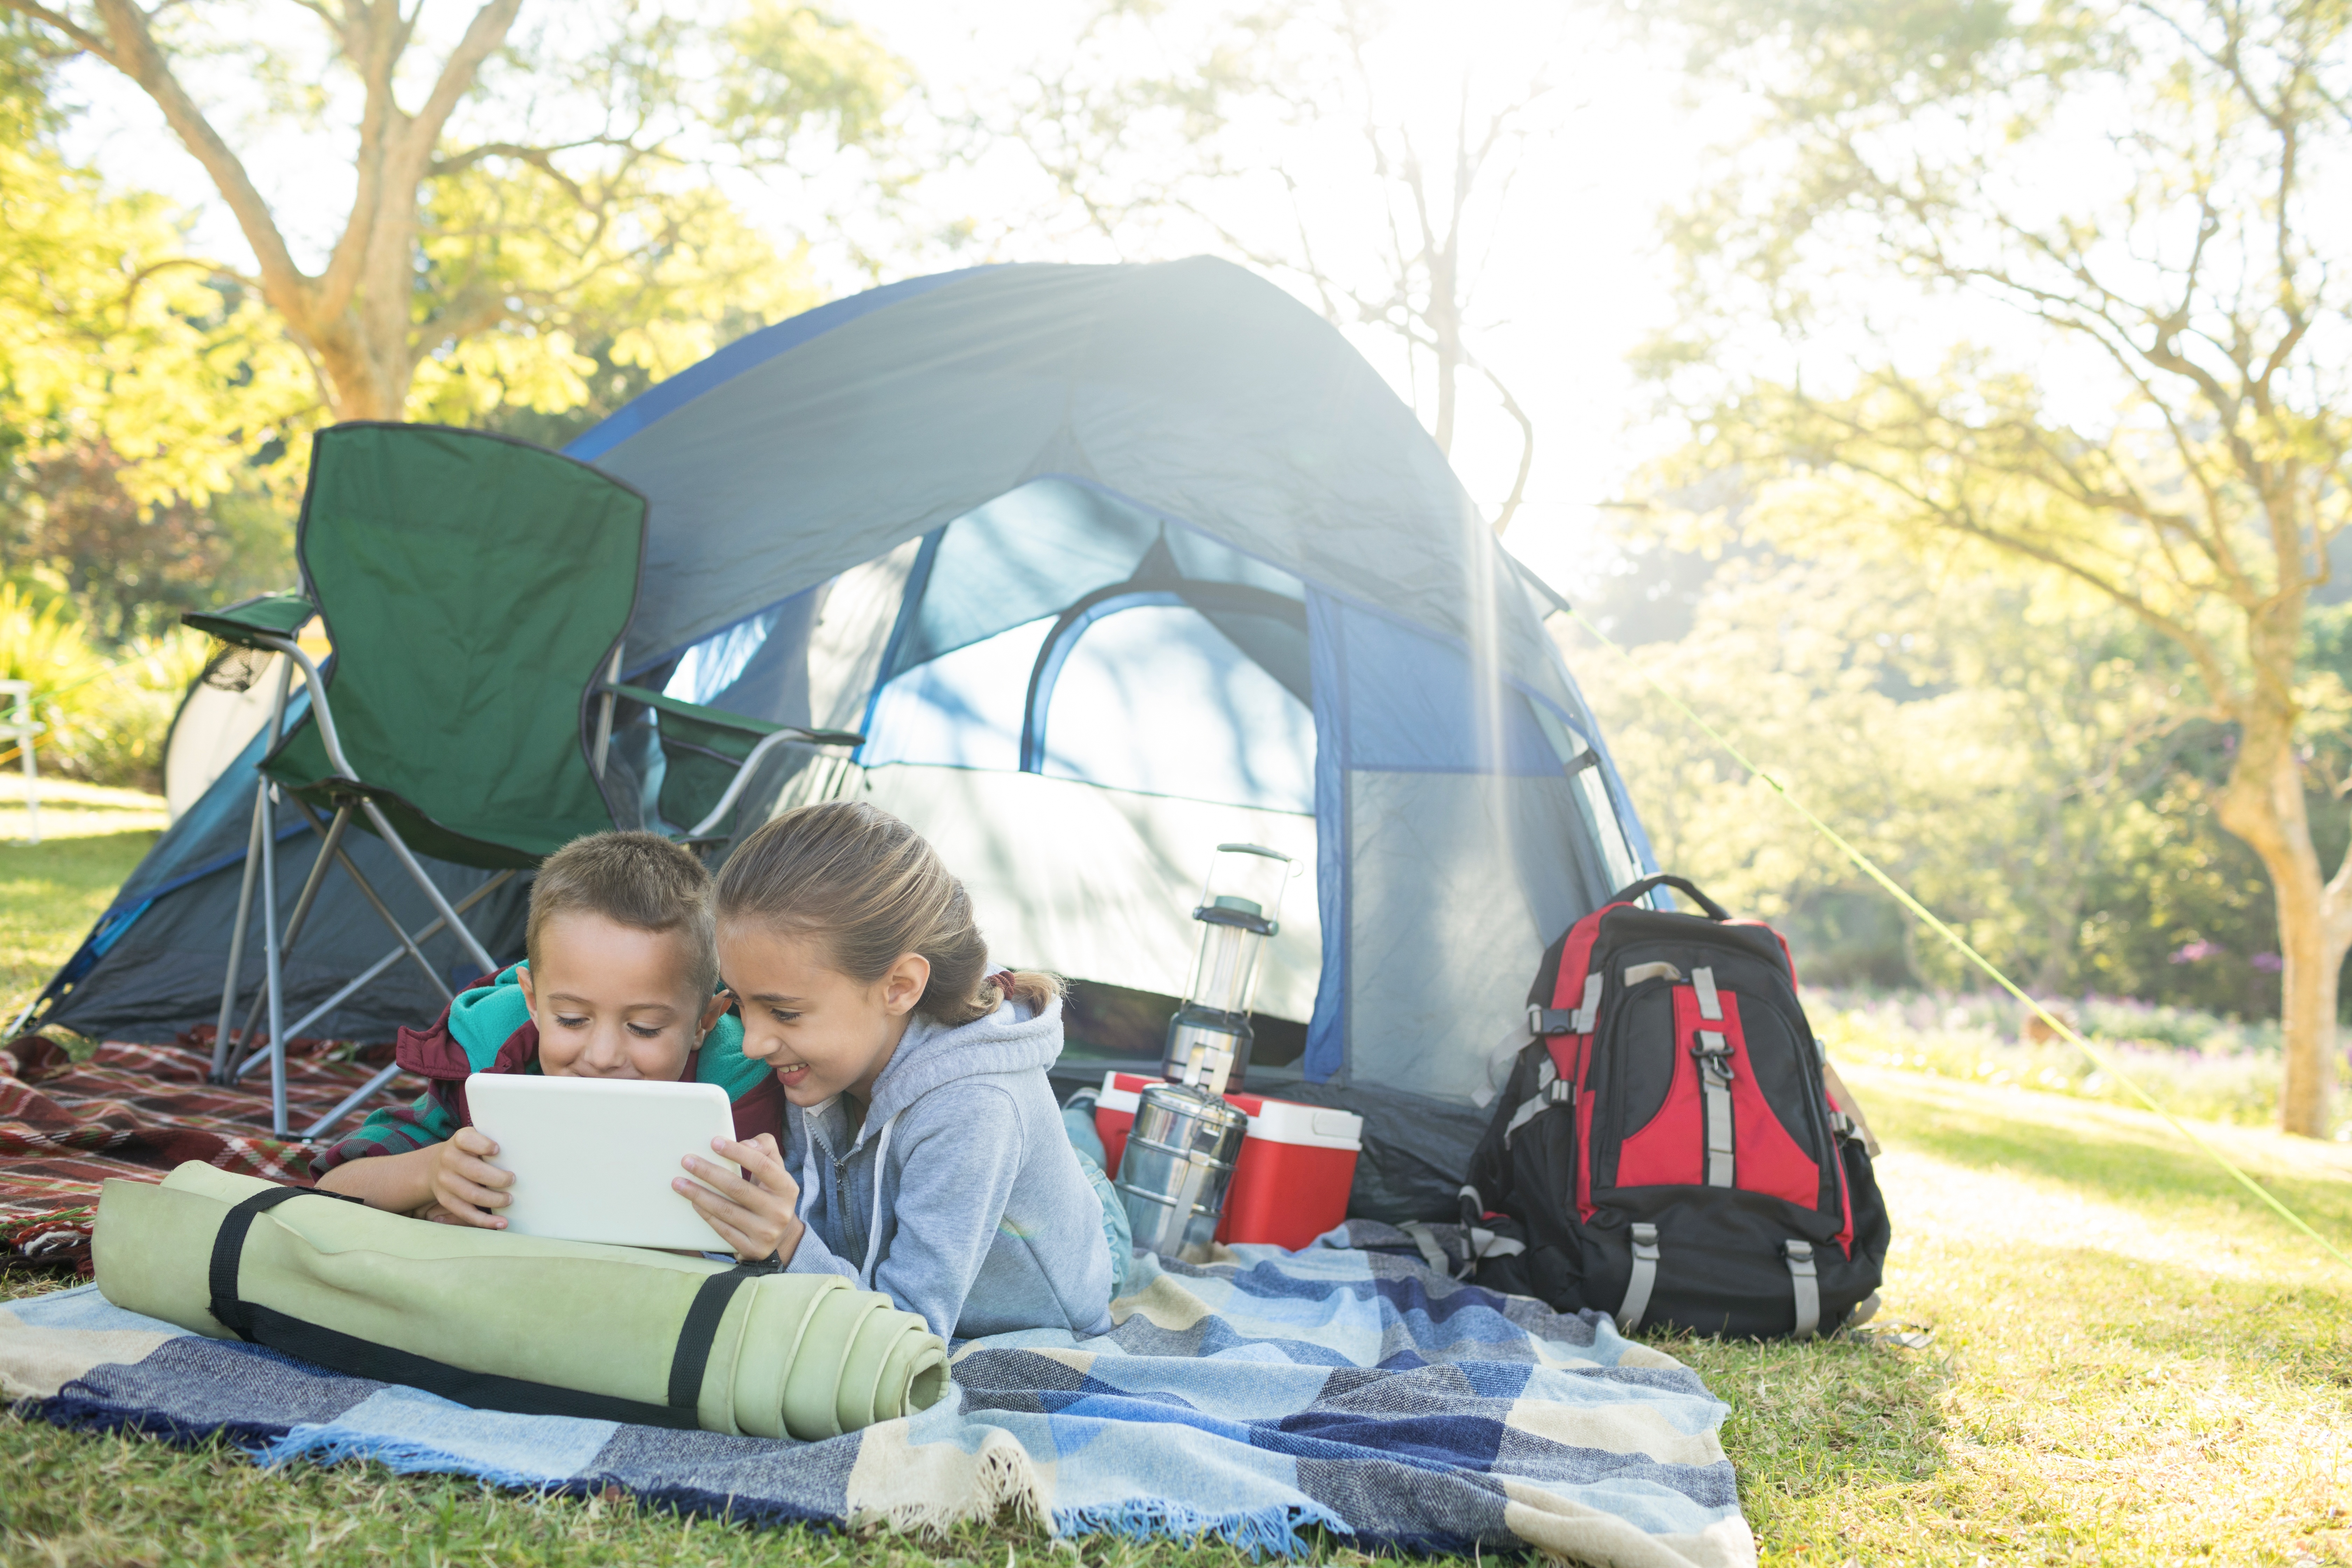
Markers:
(924, 1151)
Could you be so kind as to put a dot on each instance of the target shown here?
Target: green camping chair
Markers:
(478, 591)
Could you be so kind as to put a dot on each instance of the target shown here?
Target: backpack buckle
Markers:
(1579, 1020)
(1713, 1054)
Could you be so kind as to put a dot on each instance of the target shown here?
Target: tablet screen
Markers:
(593, 1158)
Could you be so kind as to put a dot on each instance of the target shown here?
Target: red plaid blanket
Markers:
(136, 1111)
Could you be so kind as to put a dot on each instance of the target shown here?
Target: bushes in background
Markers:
(109, 709)
(2193, 1063)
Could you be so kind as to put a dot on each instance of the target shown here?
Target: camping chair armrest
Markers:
(740, 723)
(694, 717)
(248, 622)
(321, 713)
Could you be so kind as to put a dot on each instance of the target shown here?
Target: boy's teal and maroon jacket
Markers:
(489, 1029)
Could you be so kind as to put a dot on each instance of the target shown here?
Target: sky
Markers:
(1574, 278)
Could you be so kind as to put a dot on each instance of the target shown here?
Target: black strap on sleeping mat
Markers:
(692, 1357)
(228, 1253)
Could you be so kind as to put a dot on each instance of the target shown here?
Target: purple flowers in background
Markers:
(2268, 962)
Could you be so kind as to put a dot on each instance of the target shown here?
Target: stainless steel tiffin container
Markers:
(1179, 1161)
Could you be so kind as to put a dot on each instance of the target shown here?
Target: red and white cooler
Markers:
(1290, 1183)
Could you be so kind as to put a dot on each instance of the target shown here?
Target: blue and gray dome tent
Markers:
(1111, 564)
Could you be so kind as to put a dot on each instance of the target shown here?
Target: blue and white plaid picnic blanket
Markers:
(1348, 1385)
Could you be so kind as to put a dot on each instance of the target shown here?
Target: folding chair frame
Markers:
(231, 1053)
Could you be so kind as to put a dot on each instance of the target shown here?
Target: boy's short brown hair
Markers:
(637, 879)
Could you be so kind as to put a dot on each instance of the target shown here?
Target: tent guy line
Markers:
(1870, 869)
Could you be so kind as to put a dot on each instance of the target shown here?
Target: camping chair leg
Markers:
(431, 889)
(317, 874)
(271, 958)
(367, 891)
(351, 1102)
(294, 922)
(256, 850)
(407, 949)
(223, 1041)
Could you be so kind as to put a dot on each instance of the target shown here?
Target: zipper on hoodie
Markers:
(842, 1207)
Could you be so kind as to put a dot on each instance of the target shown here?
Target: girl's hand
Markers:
(752, 1213)
(467, 1188)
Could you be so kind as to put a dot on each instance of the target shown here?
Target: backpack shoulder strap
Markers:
(1575, 993)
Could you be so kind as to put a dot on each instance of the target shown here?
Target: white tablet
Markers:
(592, 1158)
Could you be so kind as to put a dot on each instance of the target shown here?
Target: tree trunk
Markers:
(2263, 804)
(359, 383)
(2065, 920)
(1447, 329)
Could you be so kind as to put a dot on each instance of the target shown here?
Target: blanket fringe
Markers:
(1271, 1532)
(1004, 1481)
(327, 1448)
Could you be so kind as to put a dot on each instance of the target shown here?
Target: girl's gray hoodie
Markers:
(982, 1222)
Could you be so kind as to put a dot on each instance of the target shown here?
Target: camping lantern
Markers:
(1209, 1037)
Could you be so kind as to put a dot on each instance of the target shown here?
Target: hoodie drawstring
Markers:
(874, 1226)
(808, 1170)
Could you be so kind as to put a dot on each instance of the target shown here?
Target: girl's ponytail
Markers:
(856, 878)
(1030, 987)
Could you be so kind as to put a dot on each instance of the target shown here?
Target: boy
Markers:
(620, 982)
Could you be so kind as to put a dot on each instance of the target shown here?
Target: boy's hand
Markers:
(467, 1188)
(752, 1213)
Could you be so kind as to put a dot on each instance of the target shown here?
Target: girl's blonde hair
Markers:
(866, 885)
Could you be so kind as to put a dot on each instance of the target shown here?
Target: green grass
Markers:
(2131, 1362)
(51, 893)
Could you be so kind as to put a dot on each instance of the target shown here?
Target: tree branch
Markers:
(83, 40)
(1526, 443)
(135, 55)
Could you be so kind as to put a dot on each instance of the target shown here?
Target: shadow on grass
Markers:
(2151, 1168)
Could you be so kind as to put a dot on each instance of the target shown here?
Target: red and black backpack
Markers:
(1666, 1150)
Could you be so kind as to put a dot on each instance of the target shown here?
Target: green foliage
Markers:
(107, 710)
(147, 402)
(791, 67)
(1972, 734)
(112, 336)
(72, 525)
(577, 284)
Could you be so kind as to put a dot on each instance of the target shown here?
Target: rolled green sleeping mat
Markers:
(512, 1322)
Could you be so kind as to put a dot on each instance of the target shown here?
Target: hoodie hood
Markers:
(486, 1029)
(1010, 1039)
